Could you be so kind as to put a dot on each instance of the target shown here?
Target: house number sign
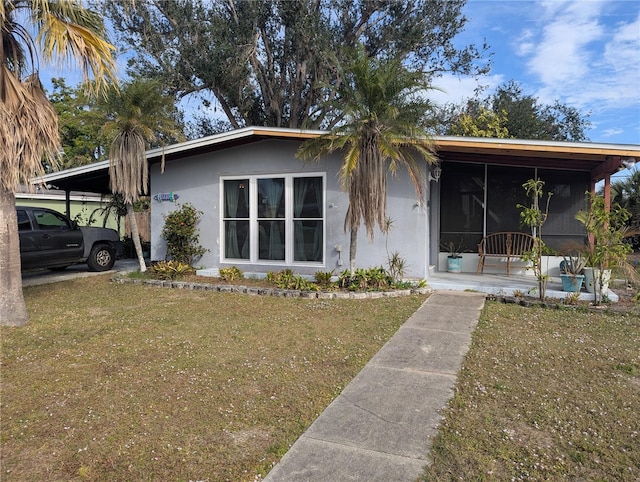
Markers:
(166, 196)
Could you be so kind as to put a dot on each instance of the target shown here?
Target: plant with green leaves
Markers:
(232, 273)
(170, 269)
(181, 234)
(534, 216)
(382, 129)
(607, 249)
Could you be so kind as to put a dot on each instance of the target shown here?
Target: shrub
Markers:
(323, 278)
(170, 269)
(366, 279)
(181, 235)
(231, 274)
(286, 280)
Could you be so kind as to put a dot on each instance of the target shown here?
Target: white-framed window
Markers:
(276, 219)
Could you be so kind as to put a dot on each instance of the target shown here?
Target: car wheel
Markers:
(101, 258)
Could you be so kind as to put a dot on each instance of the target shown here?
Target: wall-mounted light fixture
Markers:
(628, 162)
(434, 173)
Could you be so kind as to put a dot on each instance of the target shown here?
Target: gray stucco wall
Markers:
(196, 180)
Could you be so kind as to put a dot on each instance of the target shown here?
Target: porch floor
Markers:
(501, 284)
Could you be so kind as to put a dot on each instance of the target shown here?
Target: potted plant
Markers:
(454, 259)
(607, 250)
(571, 272)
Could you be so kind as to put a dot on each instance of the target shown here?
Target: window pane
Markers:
(307, 197)
(23, 221)
(271, 198)
(236, 239)
(308, 240)
(236, 198)
(49, 220)
(271, 240)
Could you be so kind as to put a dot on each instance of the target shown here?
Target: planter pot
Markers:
(454, 264)
(592, 278)
(572, 283)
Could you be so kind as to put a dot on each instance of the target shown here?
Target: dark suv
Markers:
(49, 239)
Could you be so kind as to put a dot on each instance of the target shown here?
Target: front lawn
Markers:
(545, 394)
(124, 382)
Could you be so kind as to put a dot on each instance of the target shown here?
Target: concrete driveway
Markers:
(43, 276)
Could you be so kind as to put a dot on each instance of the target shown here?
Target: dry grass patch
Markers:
(545, 395)
(128, 382)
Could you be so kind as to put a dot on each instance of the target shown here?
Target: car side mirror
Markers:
(74, 224)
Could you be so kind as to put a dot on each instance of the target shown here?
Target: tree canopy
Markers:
(382, 129)
(274, 62)
(510, 113)
(83, 120)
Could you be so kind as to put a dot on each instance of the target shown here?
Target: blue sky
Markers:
(585, 53)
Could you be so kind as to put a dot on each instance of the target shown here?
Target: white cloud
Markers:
(456, 90)
(581, 57)
(611, 132)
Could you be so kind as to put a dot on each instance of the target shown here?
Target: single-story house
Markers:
(265, 210)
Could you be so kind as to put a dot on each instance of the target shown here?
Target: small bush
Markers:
(286, 280)
(170, 269)
(323, 278)
(231, 274)
(181, 235)
(366, 279)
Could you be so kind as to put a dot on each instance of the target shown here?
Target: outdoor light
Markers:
(628, 162)
(435, 173)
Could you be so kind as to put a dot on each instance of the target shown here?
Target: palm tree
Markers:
(382, 109)
(138, 116)
(29, 139)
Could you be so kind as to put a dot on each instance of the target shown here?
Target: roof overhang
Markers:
(600, 160)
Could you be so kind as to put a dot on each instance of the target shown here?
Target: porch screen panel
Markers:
(504, 193)
(562, 230)
(461, 201)
(307, 218)
(236, 218)
(271, 219)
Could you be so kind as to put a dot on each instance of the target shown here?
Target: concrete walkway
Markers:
(380, 427)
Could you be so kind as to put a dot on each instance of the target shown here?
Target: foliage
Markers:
(181, 234)
(80, 129)
(479, 122)
(573, 263)
(383, 108)
(371, 279)
(287, 280)
(271, 62)
(82, 119)
(510, 113)
(454, 250)
(534, 217)
(232, 273)
(170, 270)
(626, 194)
(607, 230)
(323, 278)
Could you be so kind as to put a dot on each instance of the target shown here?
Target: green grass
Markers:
(545, 395)
(124, 382)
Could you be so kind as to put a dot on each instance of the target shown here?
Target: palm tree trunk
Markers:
(135, 236)
(13, 311)
(353, 244)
